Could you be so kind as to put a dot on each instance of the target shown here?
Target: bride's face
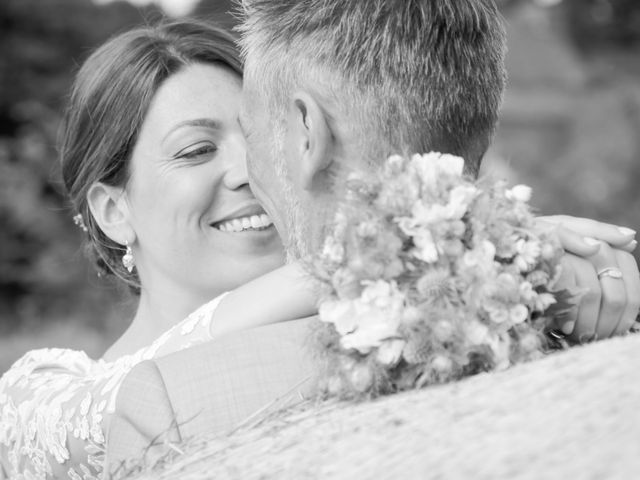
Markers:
(197, 224)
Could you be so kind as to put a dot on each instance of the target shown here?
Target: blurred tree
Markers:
(571, 117)
(594, 24)
(41, 44)
(604, 23)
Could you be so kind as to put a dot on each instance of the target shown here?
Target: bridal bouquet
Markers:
(430, 277)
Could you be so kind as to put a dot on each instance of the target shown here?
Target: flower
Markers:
(480, 259)
(345, 283)
(527, 293)
(425, 214)
(476, 332)
(529, 342)
(543, 301)
(459, 200)
(443, 330)
(368, 229)
(394, 165)
(520, 193)
(538, 278)
(365, 322)
(390, 351)
(418, 349)
(383, 294)
(528, 253)
(503, 313)
(332, 250)
(441, 364)
(340, 313)
(425, 247)
(399, 196)
(431, 276)
(432, 165)
(361, 378)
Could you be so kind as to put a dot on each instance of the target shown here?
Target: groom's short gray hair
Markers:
(415, 75)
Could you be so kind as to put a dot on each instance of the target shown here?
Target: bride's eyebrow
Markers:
(196, 122)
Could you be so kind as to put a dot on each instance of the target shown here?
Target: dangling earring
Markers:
(127, 259)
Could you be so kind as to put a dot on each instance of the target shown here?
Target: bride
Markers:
(154, 162)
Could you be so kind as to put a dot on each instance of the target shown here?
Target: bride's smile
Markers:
(249, 218)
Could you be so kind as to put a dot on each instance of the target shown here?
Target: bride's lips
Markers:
(248, 218)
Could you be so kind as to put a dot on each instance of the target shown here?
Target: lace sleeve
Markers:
(56, 404)
(193, 330)
(52, 411)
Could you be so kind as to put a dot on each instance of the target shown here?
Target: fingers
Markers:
(619, 237)
(614, 292)
(629, 247)
(589, 307)
(610, 305)
(631, 278)
(567, 281)
(577, 244)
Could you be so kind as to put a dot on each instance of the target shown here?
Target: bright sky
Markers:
(173, 8)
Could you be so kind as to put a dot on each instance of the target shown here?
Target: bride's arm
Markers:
(286, 293)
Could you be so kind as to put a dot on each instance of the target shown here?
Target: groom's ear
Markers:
(313, 139)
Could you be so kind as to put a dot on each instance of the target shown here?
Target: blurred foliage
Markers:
(593, 24)
(42, 274)
(41, 45)
(604, 23)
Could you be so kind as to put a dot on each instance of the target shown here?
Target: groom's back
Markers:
(210, 388)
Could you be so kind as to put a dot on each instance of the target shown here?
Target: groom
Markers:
(334, 85)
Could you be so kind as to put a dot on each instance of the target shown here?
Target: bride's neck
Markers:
(157, 312)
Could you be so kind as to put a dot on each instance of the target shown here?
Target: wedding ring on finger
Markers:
(611, 272)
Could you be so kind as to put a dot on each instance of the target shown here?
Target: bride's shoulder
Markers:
(49, 359)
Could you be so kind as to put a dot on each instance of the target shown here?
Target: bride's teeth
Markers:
(265, 219)
(239, 224)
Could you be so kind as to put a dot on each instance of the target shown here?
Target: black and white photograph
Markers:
(319, 239)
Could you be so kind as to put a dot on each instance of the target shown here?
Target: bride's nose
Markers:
(236, 175)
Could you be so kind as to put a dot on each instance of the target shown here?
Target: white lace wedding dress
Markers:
(56, 404)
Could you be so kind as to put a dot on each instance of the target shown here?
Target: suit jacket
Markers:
(210, 388)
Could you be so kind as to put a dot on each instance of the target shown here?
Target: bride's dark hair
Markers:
(108, 103)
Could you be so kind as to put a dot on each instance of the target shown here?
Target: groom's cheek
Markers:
(253, 168)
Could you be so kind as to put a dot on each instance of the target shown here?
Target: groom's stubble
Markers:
(295, 239)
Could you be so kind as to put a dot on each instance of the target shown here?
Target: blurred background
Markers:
(570, 128)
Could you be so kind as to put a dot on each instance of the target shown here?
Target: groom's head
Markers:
(333, 85)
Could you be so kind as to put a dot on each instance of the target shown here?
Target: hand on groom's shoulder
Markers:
(210, 388)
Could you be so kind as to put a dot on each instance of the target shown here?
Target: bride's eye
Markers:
(197, 150)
